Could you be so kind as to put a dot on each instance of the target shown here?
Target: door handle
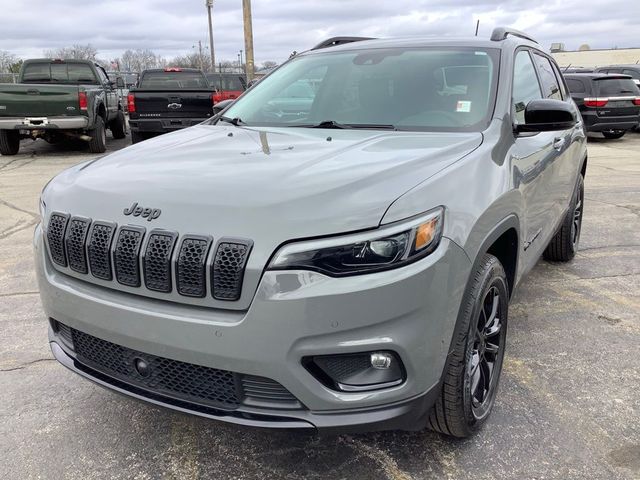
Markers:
(558, 143)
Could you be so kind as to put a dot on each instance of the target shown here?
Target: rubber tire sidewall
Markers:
(494, 275)
(9, 142)
(614, 136)
(118, 126)
(97, 144)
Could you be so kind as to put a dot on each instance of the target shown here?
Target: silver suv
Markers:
(335, 250)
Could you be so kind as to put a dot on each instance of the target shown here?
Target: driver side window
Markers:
(525, 85)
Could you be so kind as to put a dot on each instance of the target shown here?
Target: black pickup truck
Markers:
(168, 99)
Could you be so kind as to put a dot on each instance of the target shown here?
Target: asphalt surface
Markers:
(568, 405)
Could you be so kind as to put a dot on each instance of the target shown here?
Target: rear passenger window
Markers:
(575, 86)
(525, 85)
(550, 87)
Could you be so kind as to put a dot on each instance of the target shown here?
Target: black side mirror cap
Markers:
(546, 115)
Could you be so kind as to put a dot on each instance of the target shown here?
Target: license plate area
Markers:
(35, 122)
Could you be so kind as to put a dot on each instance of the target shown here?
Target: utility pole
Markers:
(213, 57)
(248, 38)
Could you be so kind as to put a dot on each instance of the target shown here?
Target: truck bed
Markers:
(38, 100)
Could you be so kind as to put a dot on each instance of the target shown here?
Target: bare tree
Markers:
(77, 52)
(7, 60)
(140, 59)
(268, 64)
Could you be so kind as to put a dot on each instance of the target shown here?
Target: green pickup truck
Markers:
(57, 99)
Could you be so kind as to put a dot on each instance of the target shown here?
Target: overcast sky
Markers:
(172, 27)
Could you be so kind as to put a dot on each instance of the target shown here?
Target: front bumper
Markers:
(294, 314)
(44, 123)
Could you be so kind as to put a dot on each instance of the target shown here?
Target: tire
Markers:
(98, 142)
(118, 126)
(472, 372)
(137, 137)
(613, 134)
(564, 245)
(9, 142)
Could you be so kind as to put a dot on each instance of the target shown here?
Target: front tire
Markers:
(473, 368)
(614, 134)
(98, 142)
(9, 142)
(564, 245)
(118, 126)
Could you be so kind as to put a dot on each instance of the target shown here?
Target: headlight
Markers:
(388, 247)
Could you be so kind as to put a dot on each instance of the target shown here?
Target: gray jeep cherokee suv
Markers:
(335, 250)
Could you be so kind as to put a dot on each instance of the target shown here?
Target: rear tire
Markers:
(564, 245)
(118, 126)
(98, 142)
(9, 142)
(473, 368)
(614, 134)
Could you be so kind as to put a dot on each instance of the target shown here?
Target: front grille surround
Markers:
(158, 263)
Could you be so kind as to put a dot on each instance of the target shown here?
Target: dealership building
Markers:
(585, 57)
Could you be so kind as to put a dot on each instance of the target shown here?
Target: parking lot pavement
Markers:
(568, 405)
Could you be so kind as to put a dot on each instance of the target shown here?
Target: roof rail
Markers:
(500, 33)
(334, 41)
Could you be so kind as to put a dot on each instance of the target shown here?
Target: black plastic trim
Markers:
(113, 226)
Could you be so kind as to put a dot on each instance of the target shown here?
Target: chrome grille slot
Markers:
(157, 260)
(74, 240)
(55, 237)
(126, 255)
(190, 272)
(228, 268)
(99, 249)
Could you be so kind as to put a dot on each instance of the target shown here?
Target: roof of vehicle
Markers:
(597, 76)
(58, 60)
(622, 65)
(173, 70)
(413, 42)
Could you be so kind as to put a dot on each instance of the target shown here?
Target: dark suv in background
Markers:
(632, 70)
(609, 104)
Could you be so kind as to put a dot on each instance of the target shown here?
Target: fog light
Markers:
(381, 360)
(354, 372)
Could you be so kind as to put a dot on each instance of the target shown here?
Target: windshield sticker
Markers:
(463, 106)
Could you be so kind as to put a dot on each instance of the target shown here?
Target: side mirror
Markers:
(119, 82)
(546, 115)
(220, 106)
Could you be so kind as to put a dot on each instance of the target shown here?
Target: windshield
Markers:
(59, 72)
(225, 82)
(450, 89)
(611, 87)
(173, 80)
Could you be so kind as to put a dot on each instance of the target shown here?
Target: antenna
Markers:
(477, 26)
(566, 68)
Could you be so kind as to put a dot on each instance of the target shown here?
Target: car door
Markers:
(562, 174)
(532, 156)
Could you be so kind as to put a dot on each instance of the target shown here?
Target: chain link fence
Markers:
(8, 77)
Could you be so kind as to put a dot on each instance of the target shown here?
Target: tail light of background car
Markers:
(82, 100)
(595, 102)
(636, 101)
(216, 97)
(131, 103)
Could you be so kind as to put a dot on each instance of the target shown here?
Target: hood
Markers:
(276, 184)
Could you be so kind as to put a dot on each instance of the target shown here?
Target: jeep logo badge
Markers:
(148, 213)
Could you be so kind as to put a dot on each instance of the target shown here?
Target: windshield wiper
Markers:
(236, 121)
(337, 125)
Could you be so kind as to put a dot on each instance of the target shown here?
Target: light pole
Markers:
(213, 57)
(248, 38)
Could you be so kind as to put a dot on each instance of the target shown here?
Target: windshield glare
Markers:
(450, 89)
